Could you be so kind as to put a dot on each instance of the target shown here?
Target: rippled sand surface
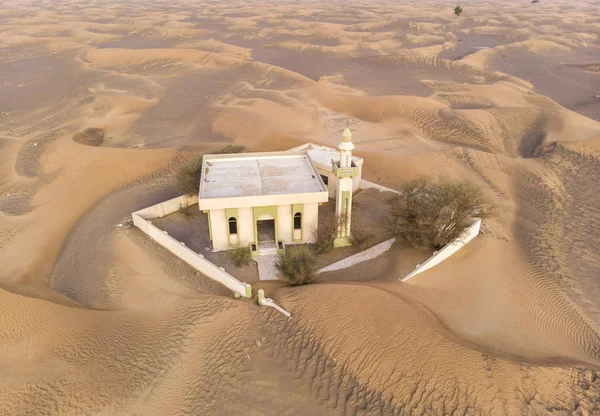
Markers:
(101, 102)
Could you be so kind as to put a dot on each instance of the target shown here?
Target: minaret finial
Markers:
(347, 134)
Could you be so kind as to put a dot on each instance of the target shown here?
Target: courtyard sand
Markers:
(95, 318)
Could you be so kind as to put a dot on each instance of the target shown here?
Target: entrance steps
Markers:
(267, 248)
(266, 266)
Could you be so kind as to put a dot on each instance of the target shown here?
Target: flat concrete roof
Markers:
(258, 174)
(322, 155)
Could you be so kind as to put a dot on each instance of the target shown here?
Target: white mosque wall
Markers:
(449, 249)
(310, 222)
(218, 228)
(246, 226)
(284, 223)
(262, 200)
(219, 225)
(321, 156)
(332, 181)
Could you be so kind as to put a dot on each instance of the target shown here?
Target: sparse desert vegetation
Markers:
(297, 265)
(362, 237)
(429, 213)
(326, 234)
(240, 256)
(188, 176)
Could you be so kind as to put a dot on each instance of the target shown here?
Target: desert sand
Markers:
(102, 101)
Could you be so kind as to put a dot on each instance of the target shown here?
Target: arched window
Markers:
(297, 221)
(232, 225)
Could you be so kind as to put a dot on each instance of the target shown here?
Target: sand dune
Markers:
(391, 362)
(102, 102)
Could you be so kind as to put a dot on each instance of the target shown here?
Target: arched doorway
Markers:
(265, 229)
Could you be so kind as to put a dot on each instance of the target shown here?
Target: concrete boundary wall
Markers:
(449, 249)
(167, 207)
(141, 219)
(262, 301)
(368, 254)
(367, 185)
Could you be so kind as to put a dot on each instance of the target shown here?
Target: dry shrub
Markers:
(229, 148)
(185, 211)
(240, 256)
(362, 237)
(430, 213)
(326, 234)
(297, 265)
(188, 177)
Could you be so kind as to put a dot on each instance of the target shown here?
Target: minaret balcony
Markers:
(344, 172)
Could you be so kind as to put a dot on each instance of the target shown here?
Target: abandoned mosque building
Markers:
(268, 200)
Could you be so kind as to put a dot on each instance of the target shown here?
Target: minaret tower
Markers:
(345, 171)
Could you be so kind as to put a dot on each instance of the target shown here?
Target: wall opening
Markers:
(266, 231)
(297, 221)
(232, 225)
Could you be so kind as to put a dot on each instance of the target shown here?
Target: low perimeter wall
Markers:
(368, 254)
(366, 185)
(141, 219)
(449, 249)
(167, 207)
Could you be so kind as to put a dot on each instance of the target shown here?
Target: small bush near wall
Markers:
(326, 234)
(297, 265)
(184, 211)
(430, 213)
(188, 177)
(240, 256)
(362, 237)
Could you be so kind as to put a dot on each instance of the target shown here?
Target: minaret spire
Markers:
(345, 172)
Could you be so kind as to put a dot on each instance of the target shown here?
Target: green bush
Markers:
(430, 213)
(188, 177)
(240, 256)
(297, 265)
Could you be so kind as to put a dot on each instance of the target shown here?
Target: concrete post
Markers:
(248, 293)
